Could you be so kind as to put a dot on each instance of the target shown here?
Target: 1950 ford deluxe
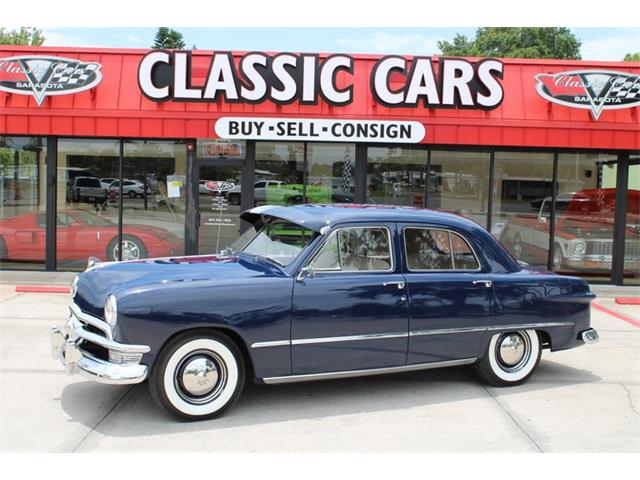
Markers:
(316, 292)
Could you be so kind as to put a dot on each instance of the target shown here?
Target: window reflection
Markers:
(459, 182)
(86, 169)
(522, 204)
(396, 176)
(22, 202)
(153, 199)
(279, 174)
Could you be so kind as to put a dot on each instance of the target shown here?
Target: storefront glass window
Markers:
(522, 204)
(279, 177)
(87, 221)
(632, 236)
(22, 202)
(331, 173)
(459, 182)
(585, 210)
(153, 199)
(396, 176)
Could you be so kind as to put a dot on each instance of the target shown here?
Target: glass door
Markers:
(219, 208)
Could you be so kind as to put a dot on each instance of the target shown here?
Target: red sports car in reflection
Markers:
(80, 235)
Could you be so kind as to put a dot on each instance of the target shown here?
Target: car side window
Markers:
(355, 249)
(463, 256)
(435, 249)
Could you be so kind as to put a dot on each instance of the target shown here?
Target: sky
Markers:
(609, 44)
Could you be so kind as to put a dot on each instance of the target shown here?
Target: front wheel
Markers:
(510, 358)
(198, 375)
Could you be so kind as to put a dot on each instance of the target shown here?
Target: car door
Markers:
(351, 313)
(450, 295)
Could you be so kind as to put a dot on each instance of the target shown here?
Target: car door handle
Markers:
(486, 283)
(399, 284)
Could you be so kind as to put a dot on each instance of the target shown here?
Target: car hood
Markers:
(121, 278)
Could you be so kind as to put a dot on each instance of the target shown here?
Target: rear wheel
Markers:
(510, 358)
(198, 375)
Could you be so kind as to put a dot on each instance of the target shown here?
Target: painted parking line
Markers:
(41, 289)
(617, 315)
(628, 300)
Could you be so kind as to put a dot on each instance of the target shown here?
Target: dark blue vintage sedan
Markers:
(317, 292)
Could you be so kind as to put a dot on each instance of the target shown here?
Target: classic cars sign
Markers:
(285, 78)
(42, 75)
(596, 90)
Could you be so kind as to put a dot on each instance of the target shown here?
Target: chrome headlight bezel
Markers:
(74, 286)
(579, 247)
(111, 311)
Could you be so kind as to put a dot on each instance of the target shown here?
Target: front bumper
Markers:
(70, 346)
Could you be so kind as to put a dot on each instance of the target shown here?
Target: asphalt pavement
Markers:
(581, 400)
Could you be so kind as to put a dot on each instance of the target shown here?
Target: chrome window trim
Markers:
(368, 371)
(339, 270)
(450, 270)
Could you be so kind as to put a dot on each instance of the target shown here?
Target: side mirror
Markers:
(306, 272)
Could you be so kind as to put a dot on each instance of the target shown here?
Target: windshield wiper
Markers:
(268, 259)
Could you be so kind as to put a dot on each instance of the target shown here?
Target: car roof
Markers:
(317, 216)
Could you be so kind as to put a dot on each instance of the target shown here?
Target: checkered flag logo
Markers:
(41, 75)
(628, 89)
(347, 171)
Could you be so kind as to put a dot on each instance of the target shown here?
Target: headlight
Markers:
(111, 311)
(579, 247)
(74, 286)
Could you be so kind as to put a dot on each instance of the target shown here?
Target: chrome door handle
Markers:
(399, 284)
(486, 283)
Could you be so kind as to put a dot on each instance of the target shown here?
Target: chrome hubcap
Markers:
(512, 349)
(199, 376)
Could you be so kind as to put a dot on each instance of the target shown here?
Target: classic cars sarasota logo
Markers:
(40, 75)
(596, 90)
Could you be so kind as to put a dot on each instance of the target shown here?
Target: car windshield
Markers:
(279, 241)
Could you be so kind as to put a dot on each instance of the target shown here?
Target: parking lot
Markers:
(581, 400)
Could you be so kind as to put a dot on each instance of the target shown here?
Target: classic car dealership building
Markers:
(122, 153)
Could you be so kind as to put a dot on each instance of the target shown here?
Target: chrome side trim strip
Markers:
(275, 343)
(349, 338)
(444, 331)
(369, 371)
(531, 325)
(413, 333)
(522, 326)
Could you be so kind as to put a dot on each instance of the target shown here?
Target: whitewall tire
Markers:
(198, 375)
(511, 358)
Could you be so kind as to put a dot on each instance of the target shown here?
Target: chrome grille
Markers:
(605, 248)
(599, 247)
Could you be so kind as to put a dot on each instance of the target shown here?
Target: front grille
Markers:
(95, 350)
(605, 248)
(599, 247)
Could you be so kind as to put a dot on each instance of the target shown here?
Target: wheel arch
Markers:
(234, 336)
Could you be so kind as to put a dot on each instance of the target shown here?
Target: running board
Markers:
(369, 371)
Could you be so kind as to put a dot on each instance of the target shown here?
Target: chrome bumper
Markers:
(66, 346)
(590, 336)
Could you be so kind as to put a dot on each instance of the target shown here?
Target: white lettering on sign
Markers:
(321, 130)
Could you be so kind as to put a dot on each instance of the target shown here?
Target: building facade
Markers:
(125, 154)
